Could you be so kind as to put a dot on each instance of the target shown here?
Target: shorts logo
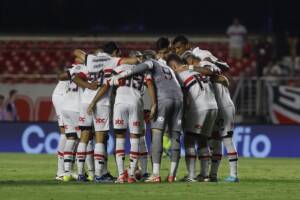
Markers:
(136, 123)
(119, 121)
(160, 119)
(179, 122)
(198, 126)
(81, 119)
(100, 120)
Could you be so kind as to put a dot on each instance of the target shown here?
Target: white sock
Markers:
(190, 159)
(156, 169)
(100, 159)
(232, 156)
(204, 161)
(173, 169)
(69, 155)
(80, 157)
(60, 155)
(143, 155)
(216, 157)
(134, 154)
(120, 154)
(90, 158)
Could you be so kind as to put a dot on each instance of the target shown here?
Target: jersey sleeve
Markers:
(108, 72)
(115, 61)
(89, 59)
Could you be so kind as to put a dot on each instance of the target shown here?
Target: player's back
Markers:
(131, 89)
(99, 68)
(61, 88)
(200, 90)
(166, 86)
(73, 95)
(222, 94)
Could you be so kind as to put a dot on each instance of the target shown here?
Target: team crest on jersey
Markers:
(160, 119)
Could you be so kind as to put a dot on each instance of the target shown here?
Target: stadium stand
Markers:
(25, 59)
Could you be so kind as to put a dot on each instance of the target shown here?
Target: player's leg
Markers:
(120, 126)
(70, 121)
(208, 118)
(60, 154)
(101, 123)
(157, 129)
(175, 128)
(190, 156)
(85, 125)
(136, 127)
(57, 103)
(216, 155)
(228, 114)
(90, 158)
(143, 149)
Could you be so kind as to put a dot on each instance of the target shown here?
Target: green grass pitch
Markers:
(30, 177)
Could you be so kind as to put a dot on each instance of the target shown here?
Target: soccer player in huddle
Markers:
(201, 112)
(70, 112)
(128, 112)
(223, 129)
(57, 100)
(99, 67)
(169, 112)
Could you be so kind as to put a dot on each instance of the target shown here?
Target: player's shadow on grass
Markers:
(38, 182)
(56, 183)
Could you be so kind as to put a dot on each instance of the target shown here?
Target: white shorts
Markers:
(129, 116)
(101, 117)
(201, 121)
(85, 119)
(225, 121)
(70, 121)
(57, 101)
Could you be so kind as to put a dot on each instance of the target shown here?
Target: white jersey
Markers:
(73, 95)
(99, 68)
(222, 95)
(200, 91)
(61, 88)
(131, 89)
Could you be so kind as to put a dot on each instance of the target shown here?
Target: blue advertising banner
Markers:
(250, 140)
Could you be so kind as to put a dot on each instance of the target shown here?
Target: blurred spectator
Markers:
(11, 111)
(2, 108)
(237, 34)
(264, 54)
(275, 69)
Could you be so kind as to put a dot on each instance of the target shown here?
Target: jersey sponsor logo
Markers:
(137, 123)
(100, 120)
(119, 121)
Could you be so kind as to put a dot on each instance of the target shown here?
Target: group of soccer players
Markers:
(102, 91)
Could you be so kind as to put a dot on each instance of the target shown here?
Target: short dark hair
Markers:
(149, 54)
(180, 38)
(12, 92)
(110, 47)
(174, 57)
(162, 43)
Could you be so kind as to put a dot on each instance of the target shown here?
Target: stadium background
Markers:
(37, 39)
